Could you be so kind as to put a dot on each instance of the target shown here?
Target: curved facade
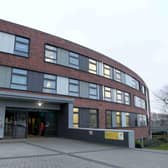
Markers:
(41, 72)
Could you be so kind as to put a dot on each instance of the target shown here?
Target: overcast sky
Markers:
(134, 32)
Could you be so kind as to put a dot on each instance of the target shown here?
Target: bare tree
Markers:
(162, 98)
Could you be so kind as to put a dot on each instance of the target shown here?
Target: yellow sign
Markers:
(114, 135)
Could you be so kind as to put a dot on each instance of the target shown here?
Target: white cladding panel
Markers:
(62, 85)
(7, 42)
(123, 119)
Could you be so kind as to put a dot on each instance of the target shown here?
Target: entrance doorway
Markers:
(23, 122)
(42, 123)
(15, 124)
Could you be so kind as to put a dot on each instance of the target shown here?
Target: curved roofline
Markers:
(81, 46)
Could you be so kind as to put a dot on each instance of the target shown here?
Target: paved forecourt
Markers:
(62, 153)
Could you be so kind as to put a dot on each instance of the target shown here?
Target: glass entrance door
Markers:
(9, 124)
(15, 124)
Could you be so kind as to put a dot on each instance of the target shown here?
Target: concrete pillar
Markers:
(2, 120)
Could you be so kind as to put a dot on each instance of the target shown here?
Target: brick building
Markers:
(50, 86)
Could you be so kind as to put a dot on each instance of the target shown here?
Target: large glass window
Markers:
(118, 119)
(21, 46)
(142, 121)
(19, 79)
(49, 83)
(114, 119)
(74, 60)
(73, 87)
(127, 116)
(127, 98)
(85, 118)
(117, 75)
(107, 94)
(108, 119)
(50, 54)
(93, 118)
(93, 91)
(107, 71)
(75, 117)
(119, 96)
(130, 81)
(139, 102)
(92, 66)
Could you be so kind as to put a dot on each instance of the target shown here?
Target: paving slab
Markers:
(61, 161)
(66, 153)
(68, 145)
(21, 149)
(127, 158)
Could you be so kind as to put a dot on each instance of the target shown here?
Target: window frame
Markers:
(94, 87)
(107, 90)
(21, 53)
(73, 56)
(13, 85)
(54, 51)
(73, 93)
(50, 78)
(108, 68)
(92, 62)
(76, 112)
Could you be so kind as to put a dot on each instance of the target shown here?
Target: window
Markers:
(74, 60)
(21, 46)
(50, 54)
(107, 94)
(49, 83)
(87, 118)
(127, 116)
(108, 119)
(139, 102)
(119, 96)
(92, 66)
(107, 71)
(75, 117)
(114, 119)
(127, 98)
(118, 119)
(93, 91)
(93, 118)
(143, 89)
(117, 75)
(19, 79)
(130, 81)
(135, 84)
(73, 87)
(142, 121)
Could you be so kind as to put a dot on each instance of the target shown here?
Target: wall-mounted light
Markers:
(39, 104)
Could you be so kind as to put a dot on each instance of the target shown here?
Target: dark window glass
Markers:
(88, 118)
(93, 118)
(108, 119)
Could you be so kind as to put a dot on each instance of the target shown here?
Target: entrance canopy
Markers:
(34, 101)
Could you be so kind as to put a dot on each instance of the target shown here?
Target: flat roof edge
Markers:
(37, 97)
